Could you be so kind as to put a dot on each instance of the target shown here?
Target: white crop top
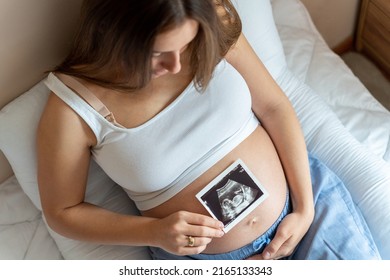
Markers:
(159, 158)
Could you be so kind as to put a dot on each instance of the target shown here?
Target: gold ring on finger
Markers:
(191, 241)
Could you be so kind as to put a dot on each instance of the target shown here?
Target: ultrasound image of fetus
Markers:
(234, 197)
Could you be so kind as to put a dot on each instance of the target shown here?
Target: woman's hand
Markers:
(174, 232)
(289, 233)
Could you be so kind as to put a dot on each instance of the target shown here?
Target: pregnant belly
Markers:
(259, 154)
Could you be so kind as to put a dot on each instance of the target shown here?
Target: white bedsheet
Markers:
(23, 234)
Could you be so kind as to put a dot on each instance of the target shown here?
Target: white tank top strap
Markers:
(88, 96)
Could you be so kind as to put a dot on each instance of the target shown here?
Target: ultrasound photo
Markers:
(233, 198)
(232, 195)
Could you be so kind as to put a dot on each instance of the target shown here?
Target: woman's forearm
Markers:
(284, 129)
(87, 222)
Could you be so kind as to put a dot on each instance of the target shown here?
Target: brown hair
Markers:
(113, 45)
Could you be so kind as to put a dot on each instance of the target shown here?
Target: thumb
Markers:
(273, 247)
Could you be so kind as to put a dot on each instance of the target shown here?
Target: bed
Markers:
(343, 125)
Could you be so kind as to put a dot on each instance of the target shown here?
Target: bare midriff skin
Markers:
(259, 154)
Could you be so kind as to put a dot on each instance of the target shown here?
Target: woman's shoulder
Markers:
(59, 119)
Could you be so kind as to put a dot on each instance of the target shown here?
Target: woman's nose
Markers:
(172, 62)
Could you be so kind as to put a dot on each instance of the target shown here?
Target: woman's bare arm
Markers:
(278, 117)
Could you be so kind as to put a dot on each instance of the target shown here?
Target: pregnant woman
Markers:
(165, 95)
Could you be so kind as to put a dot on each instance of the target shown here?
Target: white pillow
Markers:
(18, 124)
(259, 28)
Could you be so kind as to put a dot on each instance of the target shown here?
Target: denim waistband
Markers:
(255, 247)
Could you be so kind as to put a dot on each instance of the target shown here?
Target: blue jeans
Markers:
(338, 231)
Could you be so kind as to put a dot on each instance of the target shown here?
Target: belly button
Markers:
(253, 221)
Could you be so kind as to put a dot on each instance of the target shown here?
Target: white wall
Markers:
(335, 19)
(34, 36)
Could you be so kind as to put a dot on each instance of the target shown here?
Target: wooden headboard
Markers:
(35, 36)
